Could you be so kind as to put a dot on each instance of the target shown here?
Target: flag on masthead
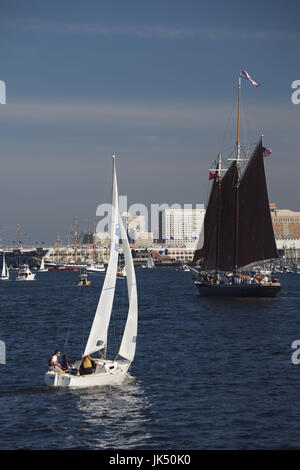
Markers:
(246, 75)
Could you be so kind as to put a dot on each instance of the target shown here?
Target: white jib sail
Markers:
(42, 264)
(128, 344)
(98, 334)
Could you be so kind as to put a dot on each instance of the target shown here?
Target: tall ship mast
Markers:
(238, 228)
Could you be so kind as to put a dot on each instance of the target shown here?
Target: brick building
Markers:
(286, 223)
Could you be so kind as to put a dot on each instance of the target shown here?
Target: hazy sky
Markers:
(154, 83)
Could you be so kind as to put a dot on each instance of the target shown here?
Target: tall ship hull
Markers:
(251, 290)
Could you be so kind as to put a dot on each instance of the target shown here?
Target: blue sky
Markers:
(153, 82)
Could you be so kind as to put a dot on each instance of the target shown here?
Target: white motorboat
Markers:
(25, 274)
(96, 268)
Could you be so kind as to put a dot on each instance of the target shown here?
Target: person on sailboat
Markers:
(65, 365)
(86, 365)
(53, 363)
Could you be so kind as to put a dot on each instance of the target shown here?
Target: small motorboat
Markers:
(25, 274)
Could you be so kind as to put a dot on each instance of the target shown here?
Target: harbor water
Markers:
(208, 373)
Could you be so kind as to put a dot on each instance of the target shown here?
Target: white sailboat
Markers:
(5, 271)
(107, 371)
(150, 263)
(42, 266)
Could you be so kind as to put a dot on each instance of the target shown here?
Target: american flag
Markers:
(246, 75)
(266, 151)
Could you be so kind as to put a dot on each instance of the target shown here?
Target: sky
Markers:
(154, 83)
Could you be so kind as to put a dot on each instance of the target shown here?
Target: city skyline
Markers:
(155, 85)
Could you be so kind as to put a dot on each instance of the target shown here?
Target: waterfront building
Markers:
(286, 223)
(182, 226)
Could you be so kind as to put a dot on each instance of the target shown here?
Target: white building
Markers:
(183, 226)
(136, 228)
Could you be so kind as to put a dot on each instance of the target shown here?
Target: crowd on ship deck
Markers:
(237, 279)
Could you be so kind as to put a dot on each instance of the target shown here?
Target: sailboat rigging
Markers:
(237, 228)
(108, 371)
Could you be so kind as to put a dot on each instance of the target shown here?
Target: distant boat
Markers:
(150, 263)
(107, 372)
(66, 267)
(25, 274)
(42, 266)
(83, 280)
(5, 271)
(121, 273)
(96, 268)
(238, 229)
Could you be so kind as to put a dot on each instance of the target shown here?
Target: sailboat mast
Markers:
(238, 166)
(219, 169)
(238, 121)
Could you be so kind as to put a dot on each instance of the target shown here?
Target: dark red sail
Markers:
(256, 240)
(208, 250)
(218, 248)
(228, 218)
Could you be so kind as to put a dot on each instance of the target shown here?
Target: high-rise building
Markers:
(182, 226)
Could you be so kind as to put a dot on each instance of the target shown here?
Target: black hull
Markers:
(250, 290)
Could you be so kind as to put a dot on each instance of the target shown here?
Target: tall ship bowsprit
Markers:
(238, 228)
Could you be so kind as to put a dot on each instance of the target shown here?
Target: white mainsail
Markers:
(128, 344)
(98, 334)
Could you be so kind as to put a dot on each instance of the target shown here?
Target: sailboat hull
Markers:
(112, 374)
(250, 290)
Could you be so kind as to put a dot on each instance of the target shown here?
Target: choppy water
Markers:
(208, 373)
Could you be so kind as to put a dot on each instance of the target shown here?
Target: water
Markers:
(208, 373)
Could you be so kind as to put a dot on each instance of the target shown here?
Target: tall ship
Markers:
(238, 228)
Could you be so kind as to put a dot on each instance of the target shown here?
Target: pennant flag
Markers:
(266, 152)
(212, 175)
(246, 75)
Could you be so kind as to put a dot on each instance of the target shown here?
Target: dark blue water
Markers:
(208, 373)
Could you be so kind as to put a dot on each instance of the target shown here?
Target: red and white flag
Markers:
(246, 75)
(266, 151)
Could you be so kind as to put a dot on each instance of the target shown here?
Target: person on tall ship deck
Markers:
(236, 279)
